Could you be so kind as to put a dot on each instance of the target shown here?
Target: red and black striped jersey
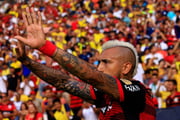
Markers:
(135, 103)
(75, 102)
(7, 108)
(173, 100)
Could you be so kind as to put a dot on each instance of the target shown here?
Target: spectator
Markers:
(23, 111)
(154, 55)
(3, 83)
(163, 94)
(33, 114)
(16, 64)
(36, 101)
(7, 107)
(58, 112)
(47, 103)
(140, 73)
(88, 112)
(27, 85)
(84, 54)
(154, 87)
(173, 100)
(13, 80)
(23, 97)
(17, 104)
(5, 69)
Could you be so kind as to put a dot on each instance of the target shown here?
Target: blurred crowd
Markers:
(80, 27)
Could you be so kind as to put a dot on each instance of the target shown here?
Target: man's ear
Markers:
(126, 68)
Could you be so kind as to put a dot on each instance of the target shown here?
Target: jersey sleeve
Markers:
(98, 96)
(121, 90)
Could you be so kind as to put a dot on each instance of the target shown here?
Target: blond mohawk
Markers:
(117, 43)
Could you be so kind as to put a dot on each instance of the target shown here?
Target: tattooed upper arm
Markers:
(87, 72)
(61, 80)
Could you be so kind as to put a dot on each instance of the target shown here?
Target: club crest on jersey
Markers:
(127, 82)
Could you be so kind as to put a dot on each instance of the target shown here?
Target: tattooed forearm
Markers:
(76, 66)
(87, 72)
(60, 80)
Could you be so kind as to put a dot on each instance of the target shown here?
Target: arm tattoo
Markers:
(60, 80)
(87, 72)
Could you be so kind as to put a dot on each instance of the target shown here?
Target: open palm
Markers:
(35, 35)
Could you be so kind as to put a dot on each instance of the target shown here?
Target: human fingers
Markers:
(28, 15)
(17, 52)
(16, 30)
(34, 17)
(25, 19)
(21, 47)
(22, 39)
(39, 18)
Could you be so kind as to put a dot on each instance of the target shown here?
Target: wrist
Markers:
(25, 60)
(48, 48)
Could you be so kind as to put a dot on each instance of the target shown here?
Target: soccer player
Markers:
(110, 86)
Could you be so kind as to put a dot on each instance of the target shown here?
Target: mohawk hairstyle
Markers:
(117, 43)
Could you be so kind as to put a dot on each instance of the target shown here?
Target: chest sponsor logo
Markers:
(132, 88)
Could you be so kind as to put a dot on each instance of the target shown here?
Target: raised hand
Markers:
(35, 35)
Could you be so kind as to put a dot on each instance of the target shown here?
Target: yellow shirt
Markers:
(177, 78)
(178, 66)
(81, 46)
(74, 53)
(99, 48)
(80, 33)
(98, 37)
(177, 6)
(5, 118)
(72, 4)
(150, 7)
(59, 34)
(6, 72)
(164, 95)
(24, 6)
(24, 98)
(82, 23)
(61, 115)
(13, 13)
(93, 44)
(123, 3)
(16, 64)
(60, 9)
(60, 44)
(86, 3)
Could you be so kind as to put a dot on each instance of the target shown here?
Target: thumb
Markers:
(22, 39)
(17, 51)
(20, 50)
